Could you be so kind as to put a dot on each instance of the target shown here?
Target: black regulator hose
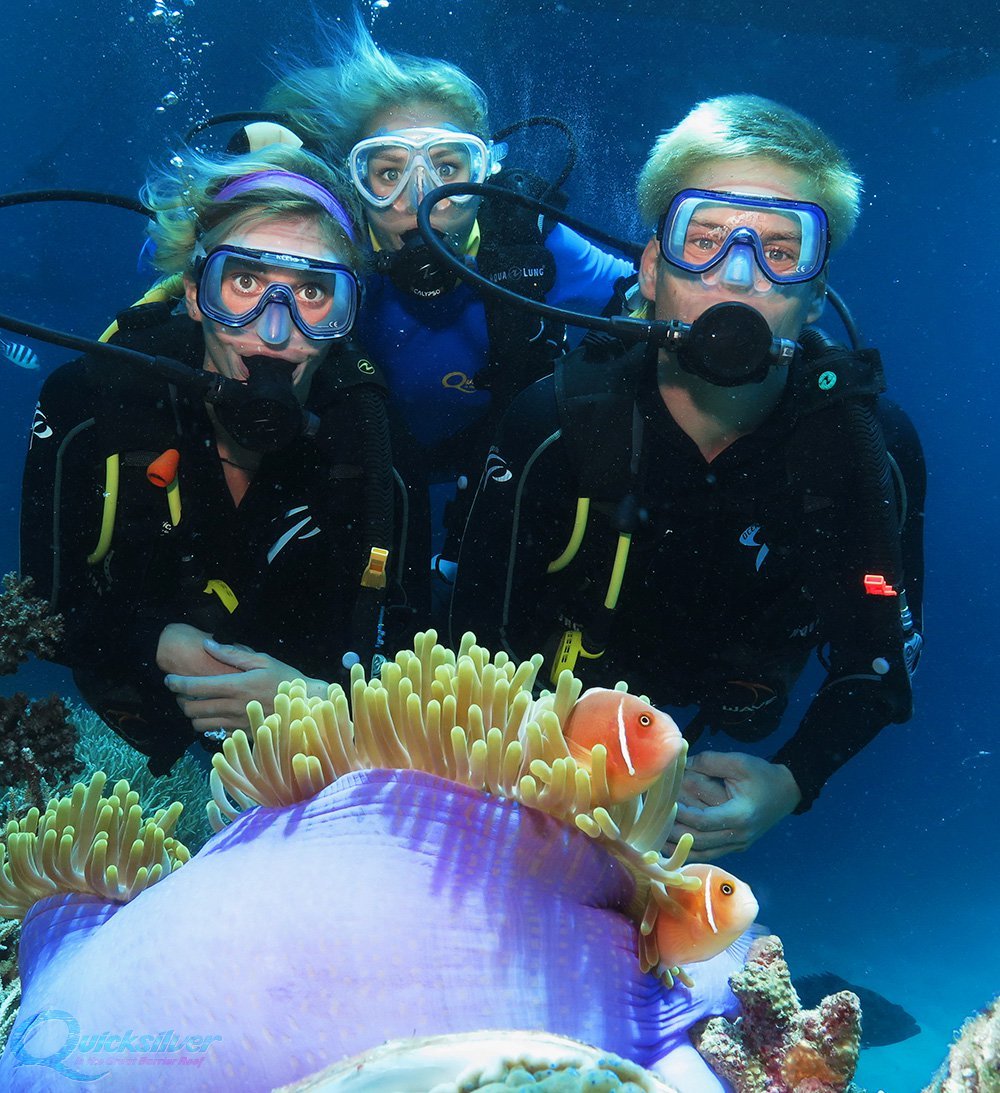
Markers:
(572, 149)
(92, 197)
(241, 116)
(213, 388)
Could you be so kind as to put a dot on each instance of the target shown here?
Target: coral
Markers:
(973, 1063)
(487, 1062)
(26, 624)
(99, 748)
(10, 983)
(469, 718)
(87, 843)
(37, 746)
(774, 1044)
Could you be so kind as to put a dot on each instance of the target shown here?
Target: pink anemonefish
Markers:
(641, 741)
(699, 925)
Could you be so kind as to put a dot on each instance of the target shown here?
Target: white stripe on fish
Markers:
(622, 741)
(21, 355)
(709, 910)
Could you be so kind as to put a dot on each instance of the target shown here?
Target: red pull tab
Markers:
(163, 470)
(875, 585)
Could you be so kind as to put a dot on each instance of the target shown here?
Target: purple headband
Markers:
(260, 180)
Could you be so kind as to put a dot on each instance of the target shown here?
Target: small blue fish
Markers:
(21, 355)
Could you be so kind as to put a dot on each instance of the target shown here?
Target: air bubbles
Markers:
(381, 4)
(176, 161)
(170, 99)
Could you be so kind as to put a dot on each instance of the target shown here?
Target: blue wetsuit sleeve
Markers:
(520, 520)
(585, 274)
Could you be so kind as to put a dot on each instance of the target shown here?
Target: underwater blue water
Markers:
(892, 880)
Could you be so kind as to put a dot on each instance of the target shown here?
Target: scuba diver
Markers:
(453, 358)
(174, 526)
(697, 513)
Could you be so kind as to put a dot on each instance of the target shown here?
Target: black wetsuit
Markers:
(726, 591)
(289, 553)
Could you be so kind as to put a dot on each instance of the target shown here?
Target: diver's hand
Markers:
(181, 650)
(219, 700)
(728, 800)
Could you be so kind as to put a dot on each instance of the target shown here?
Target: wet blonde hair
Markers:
(740, 126)
(333, 106)
(183, 197)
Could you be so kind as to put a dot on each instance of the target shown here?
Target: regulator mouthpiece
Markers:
(263, 414)
(730, 345)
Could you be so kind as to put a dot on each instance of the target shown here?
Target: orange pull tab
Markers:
(876, 585)
(163, 470)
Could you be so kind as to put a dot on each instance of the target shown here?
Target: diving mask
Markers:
(755, 241)
(383, 166)
(238, 285)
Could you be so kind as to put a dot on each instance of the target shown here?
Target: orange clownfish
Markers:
(641, 741)
(698, 925)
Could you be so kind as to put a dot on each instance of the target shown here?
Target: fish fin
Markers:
(740, 948)
(579, 753)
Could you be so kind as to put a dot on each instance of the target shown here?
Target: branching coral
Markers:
(87, 843)
(26, 624)
(775, 1045)
(468, 717)
(37, 746)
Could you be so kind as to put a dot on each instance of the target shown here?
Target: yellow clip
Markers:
(224, 592)
(569, 650)
(374, 574)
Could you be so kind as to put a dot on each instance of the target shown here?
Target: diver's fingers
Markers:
(205, 686)
(708, 845)
(729, 816)
(211, 722)
(700, 789)
(237, 656)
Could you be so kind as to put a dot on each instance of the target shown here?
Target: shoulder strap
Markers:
(830, 373)
(512, 254)
(596, 388)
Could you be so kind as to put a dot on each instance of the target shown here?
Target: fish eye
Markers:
(726, 888)
(645, 720)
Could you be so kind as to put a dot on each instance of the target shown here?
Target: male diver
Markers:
(697, 516)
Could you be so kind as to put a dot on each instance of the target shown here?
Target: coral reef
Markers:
(26, 625)
(10, 984)
(89, 844)
(485, 1062)
(774, 1044)
(973, 1063)
(37, 745)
